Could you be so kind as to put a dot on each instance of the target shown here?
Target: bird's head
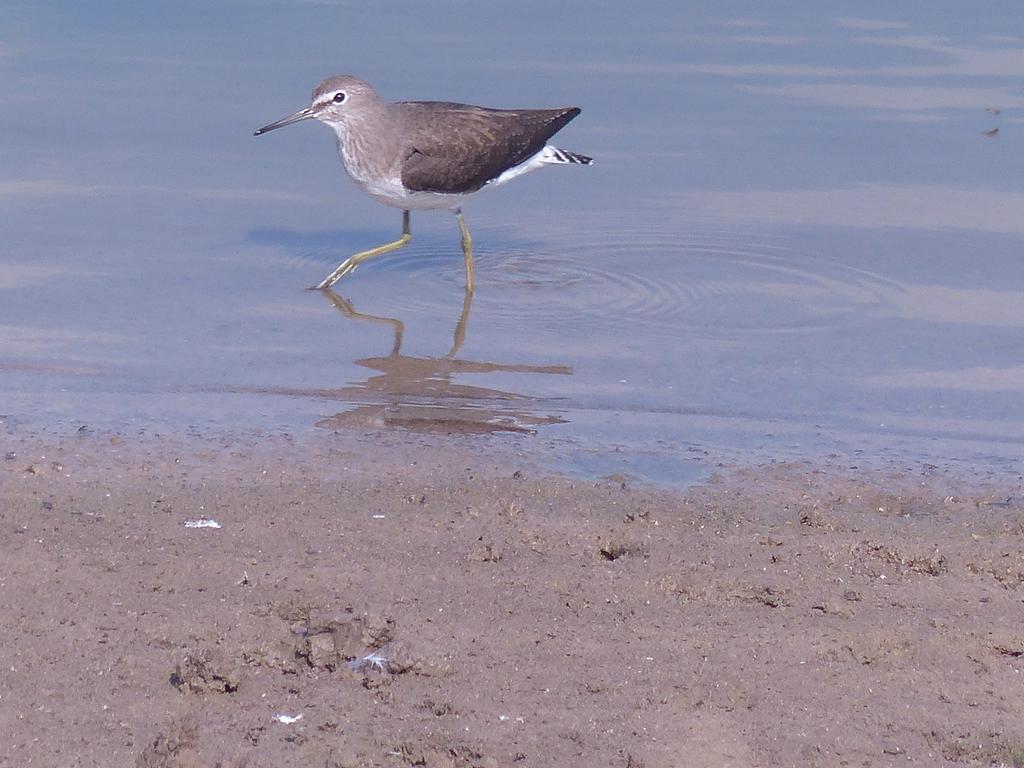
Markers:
(335, 100)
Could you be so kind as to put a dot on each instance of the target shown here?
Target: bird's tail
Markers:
(555, 155)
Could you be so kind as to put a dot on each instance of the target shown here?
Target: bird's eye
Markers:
(339, 97)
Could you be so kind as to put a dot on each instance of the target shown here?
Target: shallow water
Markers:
(800, 237)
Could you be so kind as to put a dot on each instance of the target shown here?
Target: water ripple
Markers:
(657, 283)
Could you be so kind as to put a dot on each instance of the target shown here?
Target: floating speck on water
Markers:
(204, 523)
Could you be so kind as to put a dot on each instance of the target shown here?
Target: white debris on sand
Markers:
(375, 660)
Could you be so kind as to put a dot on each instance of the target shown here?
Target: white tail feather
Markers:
(552, 154)
(547, 156)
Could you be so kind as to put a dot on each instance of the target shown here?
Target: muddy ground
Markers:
(425, 609)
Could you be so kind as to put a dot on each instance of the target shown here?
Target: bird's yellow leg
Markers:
(467, 248)
(353, 261)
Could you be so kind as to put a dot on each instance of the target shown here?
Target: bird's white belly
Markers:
(391, 192)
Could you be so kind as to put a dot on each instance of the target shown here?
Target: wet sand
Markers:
(781, 615)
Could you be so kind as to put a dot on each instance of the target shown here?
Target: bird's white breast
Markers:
(385, 184)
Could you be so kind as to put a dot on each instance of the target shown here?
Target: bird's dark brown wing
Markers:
(457, 148)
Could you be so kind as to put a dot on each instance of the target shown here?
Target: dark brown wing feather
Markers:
(457, 148)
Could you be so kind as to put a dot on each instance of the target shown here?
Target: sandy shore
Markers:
(355, 608)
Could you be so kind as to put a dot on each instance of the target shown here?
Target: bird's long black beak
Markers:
(298, 117)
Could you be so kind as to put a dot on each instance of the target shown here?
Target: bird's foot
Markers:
(346, 268)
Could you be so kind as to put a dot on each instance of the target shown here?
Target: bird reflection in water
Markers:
(420, 394)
